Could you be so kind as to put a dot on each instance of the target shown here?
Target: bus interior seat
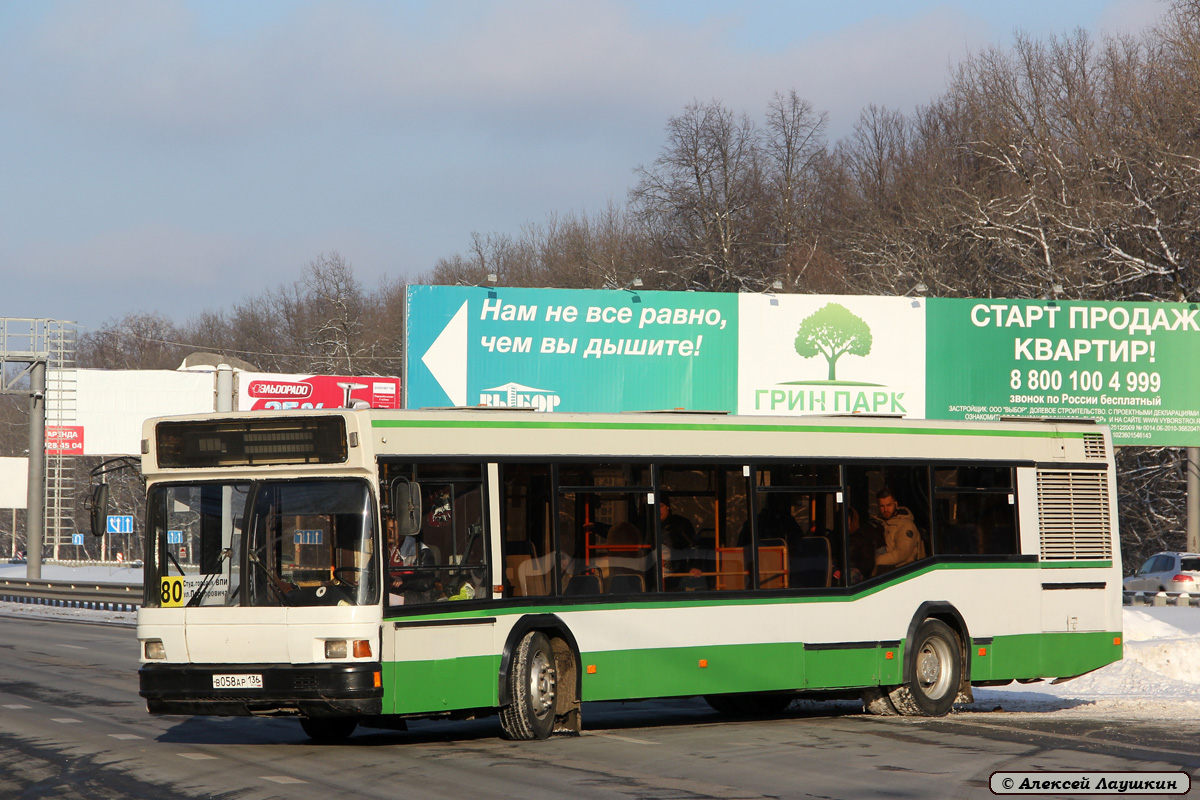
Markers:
(626, 584)
(516, 553)
(731, 568)
(533, 576)
(583, 584)
(772, 564)
(812, 564)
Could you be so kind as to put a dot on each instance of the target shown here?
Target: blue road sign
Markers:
(120, 523)
(76, 538)
(174, 537)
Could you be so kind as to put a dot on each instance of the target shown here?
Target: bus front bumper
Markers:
(310, 690)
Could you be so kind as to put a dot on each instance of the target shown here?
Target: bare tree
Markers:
(333, 304)
(701, 197)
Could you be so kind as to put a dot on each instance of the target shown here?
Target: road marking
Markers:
(65, 720)
(196, 756)
(623, 738)
(282, 779)
(126, 736)
(16, 707)
(74, 646)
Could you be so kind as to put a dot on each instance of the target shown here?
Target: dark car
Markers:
(1167, 572)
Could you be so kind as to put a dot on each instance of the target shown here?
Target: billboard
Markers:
(65, 440)
(570, 350)
(272, 391)
(14, 482)
(1129, 365)
(819, 354)
(111, 405)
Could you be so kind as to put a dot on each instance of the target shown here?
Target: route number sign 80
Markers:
(170, 592)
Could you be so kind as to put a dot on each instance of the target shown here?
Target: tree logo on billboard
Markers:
(833, 331)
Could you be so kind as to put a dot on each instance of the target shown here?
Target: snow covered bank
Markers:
(1159, 678)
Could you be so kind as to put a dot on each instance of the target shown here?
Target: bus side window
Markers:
(448, 558)
(527, 541)
(973, 510)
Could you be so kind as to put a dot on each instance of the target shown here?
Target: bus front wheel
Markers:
(936, 672)
(533, 687)
(328, 729)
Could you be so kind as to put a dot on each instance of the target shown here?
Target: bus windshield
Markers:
(266, 543)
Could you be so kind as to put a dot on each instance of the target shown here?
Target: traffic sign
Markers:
(174, 537)
(76, 538)
(120, 523)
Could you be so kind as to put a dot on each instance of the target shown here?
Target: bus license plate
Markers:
(237, 682)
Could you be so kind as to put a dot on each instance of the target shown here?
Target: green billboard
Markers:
(1129, 365)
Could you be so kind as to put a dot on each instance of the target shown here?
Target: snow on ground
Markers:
(1159, 677)
(61, 572)
(98, 573)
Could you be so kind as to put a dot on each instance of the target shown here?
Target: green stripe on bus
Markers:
(1045, 655)
(709, 426)
(421, 687)
(425, 687)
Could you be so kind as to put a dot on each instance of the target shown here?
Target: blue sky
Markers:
(172, 156)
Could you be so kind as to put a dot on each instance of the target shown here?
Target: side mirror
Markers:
(99, 509)
(406, 506)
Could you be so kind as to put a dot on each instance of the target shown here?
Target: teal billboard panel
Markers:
(571, 350)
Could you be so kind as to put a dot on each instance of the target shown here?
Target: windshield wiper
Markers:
(253, 558)
(202, 589)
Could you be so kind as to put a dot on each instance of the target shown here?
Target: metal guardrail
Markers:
(72, 594)
(1179, 599)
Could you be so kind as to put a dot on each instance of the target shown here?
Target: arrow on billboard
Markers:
(446, 358)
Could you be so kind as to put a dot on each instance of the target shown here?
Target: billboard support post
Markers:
(35, 509)
(1193, 499)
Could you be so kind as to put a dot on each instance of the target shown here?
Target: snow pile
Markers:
(1158, 677)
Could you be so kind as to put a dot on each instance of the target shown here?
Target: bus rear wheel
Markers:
(936, 672)
(328, 729)
(533, 689)
(876, 701)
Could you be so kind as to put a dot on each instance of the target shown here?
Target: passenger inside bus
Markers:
(411, 578)
(682, 560)
(902, 540)
(865, 540)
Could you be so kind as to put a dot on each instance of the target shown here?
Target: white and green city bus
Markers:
(366, 567)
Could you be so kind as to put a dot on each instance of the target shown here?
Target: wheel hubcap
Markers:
(542, 683)
(931, 671)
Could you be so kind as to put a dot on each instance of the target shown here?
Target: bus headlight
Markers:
(154, 650)
(340, 648)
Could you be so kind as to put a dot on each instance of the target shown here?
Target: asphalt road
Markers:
(72, 726)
